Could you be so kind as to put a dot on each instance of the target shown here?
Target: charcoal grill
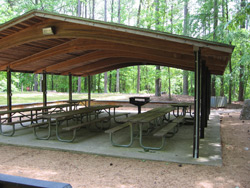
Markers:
(139, 102)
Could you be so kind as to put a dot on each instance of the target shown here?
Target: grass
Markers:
(33, 97)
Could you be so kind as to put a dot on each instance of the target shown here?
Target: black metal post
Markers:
(209, 94)
(9, 94)
(203, 99)
(89, 90)
(197, 104)
(44, 88)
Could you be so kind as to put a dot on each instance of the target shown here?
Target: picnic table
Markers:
(30, 114)
(76, 103)
(186, 107)
(78, 115)
(154, 120)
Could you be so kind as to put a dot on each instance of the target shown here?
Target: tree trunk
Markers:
(185, 82)
(85, 84)
(215, 19)
(35, 83)
(139, 14)
(172, 17)
(79, 8)
(79, 83)
(110, 82)
(105, 82)
(119, 11)
(138, 78)
(105, 10)
(41, 82)
(118, 80)
(158, 81)
(185, 32)
(93, 10)
(222, 86)
(118, 71)
(158, 68)
(112, 11)
(52, 82)
(86, 9)
(99, 83)
(230, 84)
(105, 74)
(241, 84)
(213, 90)
(242, 67)
(169, 82)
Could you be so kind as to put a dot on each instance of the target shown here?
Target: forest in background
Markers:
(225, 21)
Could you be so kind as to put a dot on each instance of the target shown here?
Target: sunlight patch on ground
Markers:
(205, 184)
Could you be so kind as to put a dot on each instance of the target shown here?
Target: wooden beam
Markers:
(63, 48)
(96, 45)
(113, 68)
(75, 63)
(119, 65)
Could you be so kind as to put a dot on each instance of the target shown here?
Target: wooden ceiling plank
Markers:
(41, 55)
(117, 66)
(66, 30)
(104, 54)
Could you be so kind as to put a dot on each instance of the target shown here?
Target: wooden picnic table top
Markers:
(79, 111)
(34, 108)
(149, 115)
(184, 104)
(79, 100)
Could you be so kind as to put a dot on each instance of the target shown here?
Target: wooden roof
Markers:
(86, 47)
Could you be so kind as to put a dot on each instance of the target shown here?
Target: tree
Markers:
(138, 67)
(242, 67)
(105, 74)
(158, 68)
(93, 9)
(118, 70)
(185, 32)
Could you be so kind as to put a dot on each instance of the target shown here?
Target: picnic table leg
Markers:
(49, 132)
(190, 111)
(123, 145)
(7, 134)
(59, 137)
(146, 148)
(175, 108)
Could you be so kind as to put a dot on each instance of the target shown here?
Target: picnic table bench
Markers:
(77, 114)
(30, 114)
(147, 118)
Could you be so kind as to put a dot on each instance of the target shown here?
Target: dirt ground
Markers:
(84, 170)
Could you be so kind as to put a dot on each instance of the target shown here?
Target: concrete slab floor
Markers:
(178, 148)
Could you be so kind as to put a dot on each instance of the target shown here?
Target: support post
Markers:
(89, 91)
(9, 94)
(209, 94)
(44, 88)
(203, 99)
(197, 104)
